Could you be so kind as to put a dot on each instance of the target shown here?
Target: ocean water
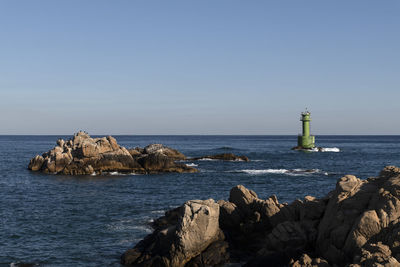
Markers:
(54, 220)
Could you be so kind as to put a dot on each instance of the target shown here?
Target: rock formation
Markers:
(84, 155)
(224, 156)
(357, 224)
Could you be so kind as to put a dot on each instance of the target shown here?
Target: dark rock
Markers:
(224, 156)
(216, 254)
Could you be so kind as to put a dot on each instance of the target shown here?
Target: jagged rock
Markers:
(84, 155)
(357, 224)
(176, 244)
(376, 255)
(36, 163)
(307, 261)
(167, 151)
(358, 211)
(224, 156)
(158, 162)
(242, 197)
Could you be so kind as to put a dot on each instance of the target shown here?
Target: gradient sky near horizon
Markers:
(199, 67)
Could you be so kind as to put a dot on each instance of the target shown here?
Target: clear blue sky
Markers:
(199, 67)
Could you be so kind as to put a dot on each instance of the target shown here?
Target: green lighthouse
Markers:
(306, 140)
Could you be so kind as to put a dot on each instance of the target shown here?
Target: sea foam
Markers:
(191, 165)
(326, 149)
(330, 149)
(293, 172)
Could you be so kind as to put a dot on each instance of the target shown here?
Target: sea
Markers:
(56, 220)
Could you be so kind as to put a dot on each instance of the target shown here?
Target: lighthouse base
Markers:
(306, 141)
(314, 149)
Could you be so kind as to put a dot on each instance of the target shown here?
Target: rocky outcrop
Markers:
(224, 156)
(84, 155)
(194, 227)
(357, 224)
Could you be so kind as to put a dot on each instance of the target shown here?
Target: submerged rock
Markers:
(357, 224)
(85, 155)
(224, 156)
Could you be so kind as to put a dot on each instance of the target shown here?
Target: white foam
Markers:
(16, 264)
(157, 211)
(116, 173)
(294, 172)
(125, 225)
(330, 149)
(275, 171)
(208, 159)
(325, 149)
(192, 165)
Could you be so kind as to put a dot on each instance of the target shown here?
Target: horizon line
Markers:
(201, 134)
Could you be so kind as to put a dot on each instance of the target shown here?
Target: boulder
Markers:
(36, 163)
(167, 151)
(175, 244)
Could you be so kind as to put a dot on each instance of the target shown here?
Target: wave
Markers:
(293, 172)
(157, 212)
(192, 165)
(330, 149)
(326, 149)
(208, 159)
(18, 264)
(125, 225)
(114, 173)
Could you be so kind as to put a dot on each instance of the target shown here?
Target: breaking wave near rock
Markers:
(292, 172)
(326, 149)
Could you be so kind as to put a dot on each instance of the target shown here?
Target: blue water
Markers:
(56, 220)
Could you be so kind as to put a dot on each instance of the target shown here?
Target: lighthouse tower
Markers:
(306, 140)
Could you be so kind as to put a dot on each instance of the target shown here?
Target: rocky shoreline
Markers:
(357, 224)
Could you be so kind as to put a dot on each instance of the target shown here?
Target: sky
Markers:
(199, 67)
